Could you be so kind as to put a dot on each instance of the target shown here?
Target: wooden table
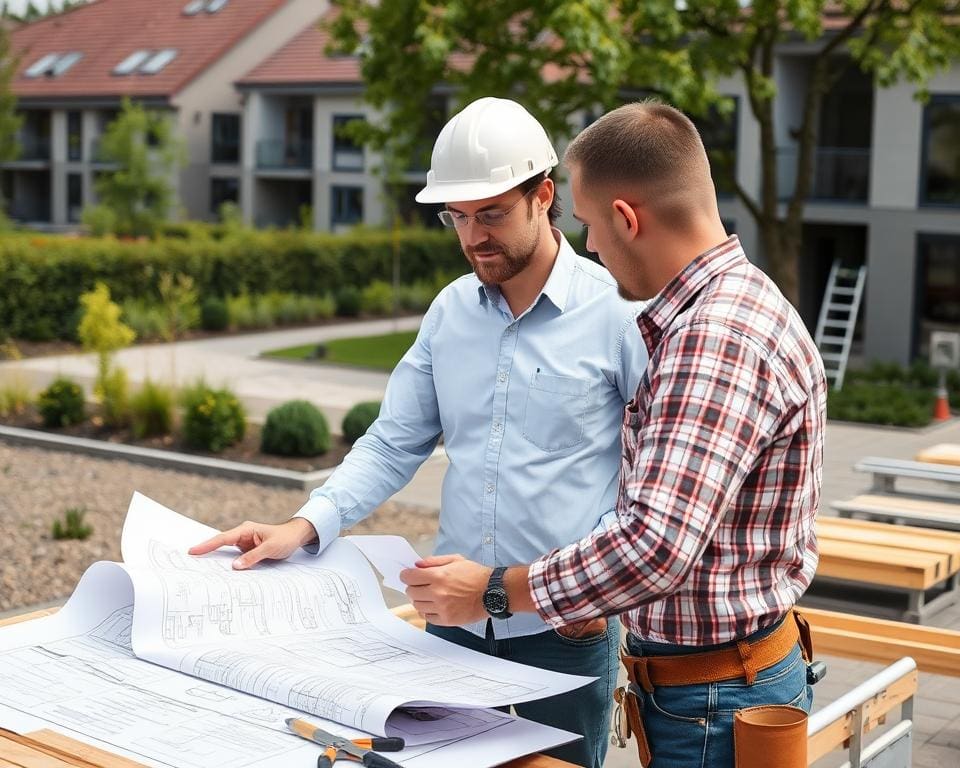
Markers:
(942, 453)
(48, 749)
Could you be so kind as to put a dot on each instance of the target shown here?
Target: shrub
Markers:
(890, 403)
(358, 420)
(348, 301)
(214, 315)
(115, 397)
(151, 410)
(213, 419)
(145, 318)
(43, 279)
(416, 297)
(72, 525)
(297, 428)
(178, 298)
(61, 404)
(14, 397)
(377, 298)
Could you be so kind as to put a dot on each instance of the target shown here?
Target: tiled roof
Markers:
(302, 61)
(107, 31)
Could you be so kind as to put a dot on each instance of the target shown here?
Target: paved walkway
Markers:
(264, 383)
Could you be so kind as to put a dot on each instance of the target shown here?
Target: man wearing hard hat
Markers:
(524, 367)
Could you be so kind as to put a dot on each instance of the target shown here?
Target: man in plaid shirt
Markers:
(722, 459)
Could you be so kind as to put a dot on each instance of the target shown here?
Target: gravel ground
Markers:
(38, 486)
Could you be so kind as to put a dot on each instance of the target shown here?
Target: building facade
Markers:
(262, 108)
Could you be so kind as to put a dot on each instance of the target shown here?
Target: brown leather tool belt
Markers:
(744, 659)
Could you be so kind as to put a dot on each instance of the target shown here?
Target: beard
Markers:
(509, 262)
(623, 293)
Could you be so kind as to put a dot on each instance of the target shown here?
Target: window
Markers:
(223, 190)
(130, 63)
(347, 154)
(158, 61)
(940, 279)
(42, 65)
(719, 134)
(53, 64)
(347, 205)
(225, 142)
(940, 172)
(74, 197)
(74, 136)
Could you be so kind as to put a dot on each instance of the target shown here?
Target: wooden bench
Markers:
(859, 637)
(901, 509)
(886, 472)
(942, 453)
(918, 562)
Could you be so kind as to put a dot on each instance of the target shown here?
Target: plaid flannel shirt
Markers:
(721, 473)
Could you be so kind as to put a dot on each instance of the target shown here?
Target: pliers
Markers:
(360, 750)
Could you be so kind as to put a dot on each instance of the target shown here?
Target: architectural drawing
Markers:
(308, 636)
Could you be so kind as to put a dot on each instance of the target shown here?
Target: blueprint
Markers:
(307, 635)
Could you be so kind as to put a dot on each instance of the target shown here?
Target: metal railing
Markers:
(864, 708)
(279, 153)
(839, 173)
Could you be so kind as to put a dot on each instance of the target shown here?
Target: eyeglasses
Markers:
(491, 218)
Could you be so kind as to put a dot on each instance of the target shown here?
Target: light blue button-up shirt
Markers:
(529, 408)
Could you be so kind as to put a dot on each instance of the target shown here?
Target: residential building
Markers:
(178, 56)
(262, 109)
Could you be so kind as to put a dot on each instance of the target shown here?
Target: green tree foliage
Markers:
(559, 57)
(139, 193)
(10, 121)
(101, 331)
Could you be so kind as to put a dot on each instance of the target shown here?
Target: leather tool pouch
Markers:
(770, 736)
(628, 721)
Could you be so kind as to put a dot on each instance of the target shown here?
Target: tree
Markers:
(563, 56)
(138, 196)
(102, 331)
(10, 121)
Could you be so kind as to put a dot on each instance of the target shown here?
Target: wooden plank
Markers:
(885, 566)
(859, 637)
(897, 502)
(86, 753)
(942, 453)
(27, 616)
(835, 734)
(23, 751)
(888, 535)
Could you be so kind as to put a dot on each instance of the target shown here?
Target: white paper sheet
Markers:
(76, 671)
(389, 555)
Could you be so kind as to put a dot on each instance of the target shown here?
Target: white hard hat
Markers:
(491, 146)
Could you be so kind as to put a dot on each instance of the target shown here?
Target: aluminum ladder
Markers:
(838, 317)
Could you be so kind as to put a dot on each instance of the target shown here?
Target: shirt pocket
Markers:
(553, 418)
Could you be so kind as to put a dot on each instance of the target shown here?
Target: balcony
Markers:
(275, 154)
(840, 174)
(34, 148)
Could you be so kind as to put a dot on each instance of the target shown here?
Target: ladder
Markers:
(838, 316)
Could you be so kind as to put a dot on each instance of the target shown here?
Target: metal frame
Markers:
(892, 748)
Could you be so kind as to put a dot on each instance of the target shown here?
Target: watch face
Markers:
(495, 600)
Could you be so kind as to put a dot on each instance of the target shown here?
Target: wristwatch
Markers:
(495, 595)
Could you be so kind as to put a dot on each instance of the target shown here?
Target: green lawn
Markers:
(379, 352)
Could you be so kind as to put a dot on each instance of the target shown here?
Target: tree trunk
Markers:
(782, 251)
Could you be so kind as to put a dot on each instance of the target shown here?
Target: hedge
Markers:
(43, 276)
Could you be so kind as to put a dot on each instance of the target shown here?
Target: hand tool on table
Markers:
(360, 750)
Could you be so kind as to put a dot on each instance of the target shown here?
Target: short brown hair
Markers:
(649, 148)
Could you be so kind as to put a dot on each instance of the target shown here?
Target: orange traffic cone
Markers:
(941, 409)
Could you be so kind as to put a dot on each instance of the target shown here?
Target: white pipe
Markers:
(863, 692)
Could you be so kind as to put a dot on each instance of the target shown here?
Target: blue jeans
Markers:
(691, 726)
(585, 710)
